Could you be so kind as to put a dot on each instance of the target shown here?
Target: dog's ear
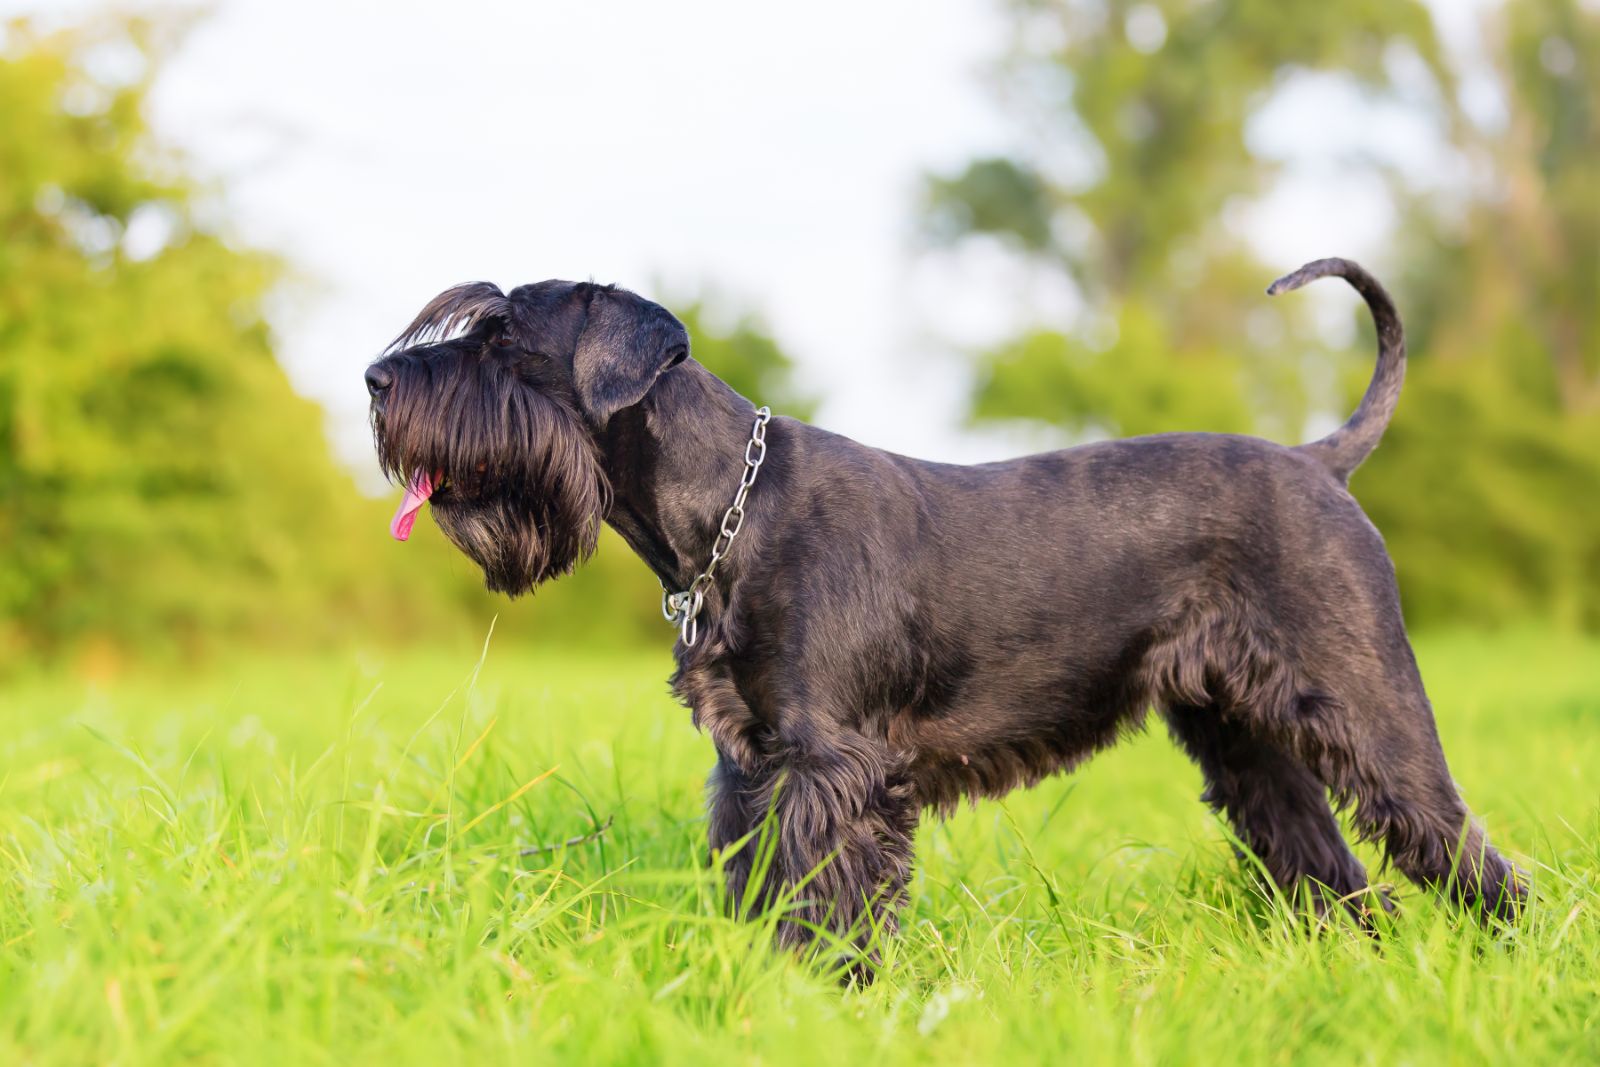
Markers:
(625, 345)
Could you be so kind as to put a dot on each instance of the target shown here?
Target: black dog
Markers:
(880, 635)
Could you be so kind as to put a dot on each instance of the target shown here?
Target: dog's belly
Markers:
(1038, 711)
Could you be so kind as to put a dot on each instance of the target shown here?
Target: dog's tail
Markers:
(1343, 450)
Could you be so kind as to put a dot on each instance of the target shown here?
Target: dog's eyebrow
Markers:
(455, 311)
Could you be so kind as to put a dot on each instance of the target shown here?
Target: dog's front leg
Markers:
(843, 815)
(733, 819)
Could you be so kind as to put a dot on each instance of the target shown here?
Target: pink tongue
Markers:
(417, 494)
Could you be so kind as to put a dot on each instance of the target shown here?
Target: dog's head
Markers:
(490, 405)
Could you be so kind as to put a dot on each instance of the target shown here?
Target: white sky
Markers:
(774, 153)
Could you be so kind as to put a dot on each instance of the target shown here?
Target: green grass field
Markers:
(319, 862)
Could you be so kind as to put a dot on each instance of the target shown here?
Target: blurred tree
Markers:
(1137, 114)
(1501, 289)
(158, 478)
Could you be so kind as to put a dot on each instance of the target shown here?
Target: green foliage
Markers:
(298, 862)
(1130, 386)
(1489, 500)
(1499, 427)
(1138, 113)
(159, 480)
(1486, 484)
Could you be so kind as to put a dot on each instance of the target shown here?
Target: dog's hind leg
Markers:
(1378, 748)
(1277, 807)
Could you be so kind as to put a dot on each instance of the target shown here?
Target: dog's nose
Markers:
(378, 380)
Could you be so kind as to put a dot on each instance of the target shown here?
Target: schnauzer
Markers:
(866, 636)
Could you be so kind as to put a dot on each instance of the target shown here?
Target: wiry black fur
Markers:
(889, 635)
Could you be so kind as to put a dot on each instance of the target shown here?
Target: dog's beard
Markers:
(510, 474)
(518, 540)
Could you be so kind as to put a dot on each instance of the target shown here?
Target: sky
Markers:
(769, 154)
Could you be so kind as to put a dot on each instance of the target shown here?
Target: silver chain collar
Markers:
(683, 609)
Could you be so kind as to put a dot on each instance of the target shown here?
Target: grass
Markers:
(320, 862)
